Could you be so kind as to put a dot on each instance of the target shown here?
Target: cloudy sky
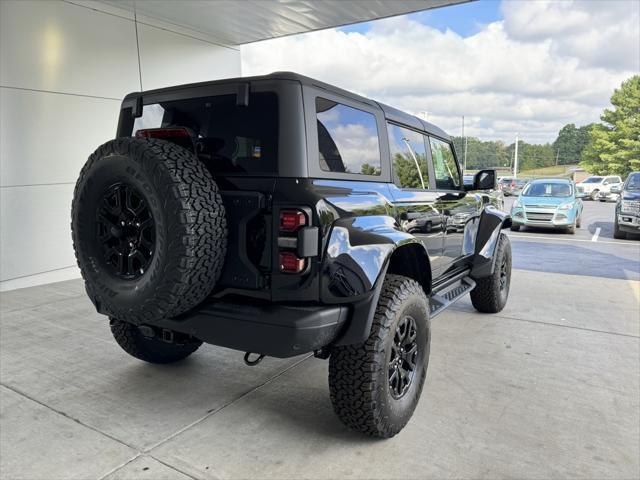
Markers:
(517, 66)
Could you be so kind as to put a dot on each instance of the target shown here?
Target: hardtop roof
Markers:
(391, 113)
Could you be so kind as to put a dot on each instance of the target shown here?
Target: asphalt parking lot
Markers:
(548, 388)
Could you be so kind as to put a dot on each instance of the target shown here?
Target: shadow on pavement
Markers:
(571, 259)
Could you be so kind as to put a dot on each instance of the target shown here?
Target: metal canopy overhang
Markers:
(244, 21)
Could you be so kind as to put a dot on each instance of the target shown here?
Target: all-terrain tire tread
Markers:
(195, 219)
(485, 297)
(353, 385)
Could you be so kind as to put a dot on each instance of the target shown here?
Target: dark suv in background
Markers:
(279, 215)
(627, 219)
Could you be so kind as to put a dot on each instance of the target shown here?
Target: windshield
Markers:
(633, 182)
(593, 180)
(547, 189)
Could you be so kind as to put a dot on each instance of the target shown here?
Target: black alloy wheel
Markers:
(491, 293)
(404, 357)
(505, 273)
(126, 231)
(375, 386)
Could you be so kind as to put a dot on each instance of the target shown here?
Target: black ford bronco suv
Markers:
(278, 215)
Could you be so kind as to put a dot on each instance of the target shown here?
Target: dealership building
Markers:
(65, 66)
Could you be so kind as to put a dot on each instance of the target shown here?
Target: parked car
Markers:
(611, 195)
(627, 219)
(279, 215)
(592, 186)
(512, 186)
(548, 203)
(493, 196)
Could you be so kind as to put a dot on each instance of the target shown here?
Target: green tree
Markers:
(368, 169)
(569, 145)
(405, 168)
(614, 145)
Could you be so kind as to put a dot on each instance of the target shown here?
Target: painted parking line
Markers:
(596, 235)
(552, 239)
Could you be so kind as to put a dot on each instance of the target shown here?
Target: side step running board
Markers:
(449, 292)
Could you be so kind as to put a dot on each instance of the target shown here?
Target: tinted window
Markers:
(347, 139)
(409, 157)
(633, 182)
(227, 137)
(547, 189)
(444, 165)
(592, 180)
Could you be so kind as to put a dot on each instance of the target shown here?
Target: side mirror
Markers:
(616, 189)
(484, 180)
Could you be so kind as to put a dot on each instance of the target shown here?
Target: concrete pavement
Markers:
(548, 388)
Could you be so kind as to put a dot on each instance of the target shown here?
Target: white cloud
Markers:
(546, 64)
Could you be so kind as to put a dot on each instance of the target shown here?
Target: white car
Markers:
(593, 185)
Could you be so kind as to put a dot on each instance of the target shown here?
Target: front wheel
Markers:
(491, 293)
(145, 344)
(594, 195)
(375, 386)
(617, 233)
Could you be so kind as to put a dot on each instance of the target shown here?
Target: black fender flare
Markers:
(357, 257)
(491, 223)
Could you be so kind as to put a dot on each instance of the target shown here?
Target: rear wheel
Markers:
(491, 293)
(145, 343)
(375, 386)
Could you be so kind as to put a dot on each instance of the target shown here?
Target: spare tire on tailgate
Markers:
(149, 229)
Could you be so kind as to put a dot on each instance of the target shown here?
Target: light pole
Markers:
(515, 160)
(464, 155)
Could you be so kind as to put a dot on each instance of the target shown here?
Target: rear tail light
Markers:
(292, 220)
(290, 263)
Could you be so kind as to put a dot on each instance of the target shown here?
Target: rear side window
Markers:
(227, 137)
(444, 165)
(347, 139)
(409, 157)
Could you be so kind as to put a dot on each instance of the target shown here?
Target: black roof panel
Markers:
(391, 113)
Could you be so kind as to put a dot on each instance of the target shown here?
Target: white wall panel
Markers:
(47, 137)
(168, 58)
(34, 230)
(64, 67)
(61, 47)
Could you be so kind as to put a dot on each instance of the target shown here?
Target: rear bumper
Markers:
(271, 329)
